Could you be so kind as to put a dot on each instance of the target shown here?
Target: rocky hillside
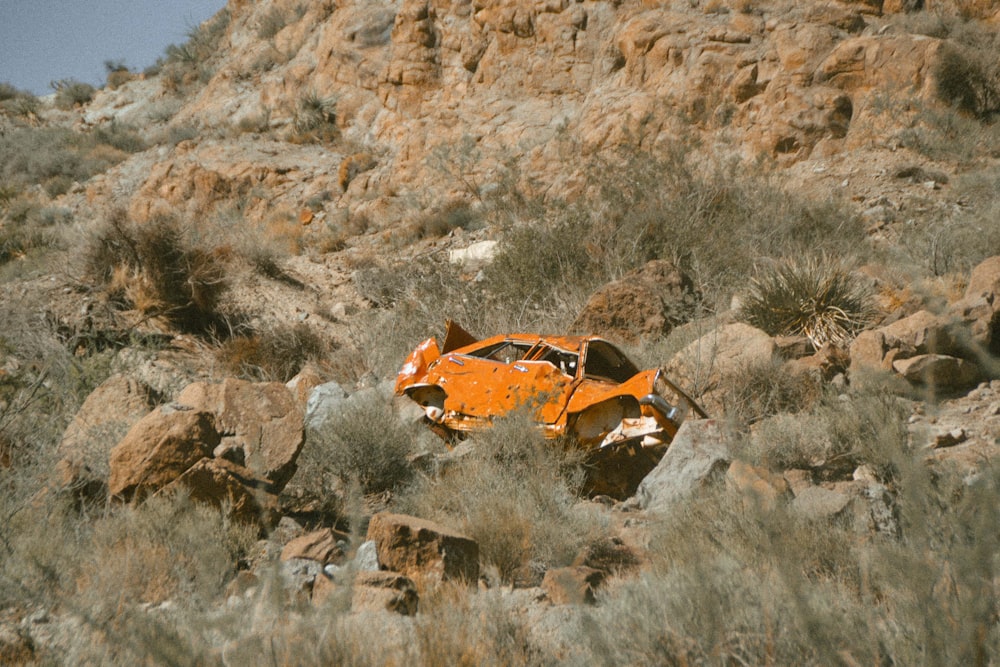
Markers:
(211, 271)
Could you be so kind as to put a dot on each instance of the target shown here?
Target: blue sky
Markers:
(47, 40)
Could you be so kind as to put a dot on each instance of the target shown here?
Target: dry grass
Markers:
(515, 494)
(274, 354)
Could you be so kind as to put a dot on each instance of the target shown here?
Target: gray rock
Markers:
(699, 455)
(324, 400)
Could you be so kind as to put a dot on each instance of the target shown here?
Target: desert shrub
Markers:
(314, 119)
(153, 268)
(515, 493)
(838, 433)
(271, 23)
(456, 628)
(715, 222)
(71, 93)
(953, 241)
(969, 80)
(365, 441)
(17, 102)
(276, 353)
(26, 226)
(56, 157)
(756, 392)
(187, 65)
(437, 223)
(815, 297)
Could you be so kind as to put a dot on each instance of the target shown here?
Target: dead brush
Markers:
(154, 269)
(815, 297)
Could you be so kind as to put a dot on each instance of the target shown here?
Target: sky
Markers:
(48, 40)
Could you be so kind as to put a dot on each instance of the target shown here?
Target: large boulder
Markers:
(699, 455)
(106, 415)
(703, 365)
(418, 547)
(243, 495)
(260, 423)
(158, 449)
(647, 302)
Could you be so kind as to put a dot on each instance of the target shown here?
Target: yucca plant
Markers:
(816, 297)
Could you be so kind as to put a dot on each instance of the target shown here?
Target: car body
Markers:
(578, 386)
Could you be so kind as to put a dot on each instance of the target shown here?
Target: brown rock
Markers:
(937, 370)
(868, 351)
(980, 321)
(303, 383)
(380, 590)
(105, 417)
(415, 546)
(920, 333)
(260, 418)
(763, 487)
(818, 503)
(319, 545)
(649, 301)
(572, 585)
(827, 362)
(702, 366)
(984, 281)
(246, 497)
(158, 449)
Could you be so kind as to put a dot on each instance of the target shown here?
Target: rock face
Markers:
(158, 449)
(649, 301)
(415, 546)
(699, 455)
(258, 422)
(513, 77)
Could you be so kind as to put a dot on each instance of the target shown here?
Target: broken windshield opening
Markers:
(605, 362)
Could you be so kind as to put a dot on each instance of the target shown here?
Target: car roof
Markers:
(566, 343)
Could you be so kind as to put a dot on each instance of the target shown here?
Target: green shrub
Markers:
(365, 441)
(814, 297)
(838, 433)
(71, 93)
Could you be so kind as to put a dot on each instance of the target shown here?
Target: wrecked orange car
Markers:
(577, 386)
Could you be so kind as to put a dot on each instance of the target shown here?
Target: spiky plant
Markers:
(315, 116)
(816, 297)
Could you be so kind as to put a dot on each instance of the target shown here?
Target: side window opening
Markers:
(564, 361)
